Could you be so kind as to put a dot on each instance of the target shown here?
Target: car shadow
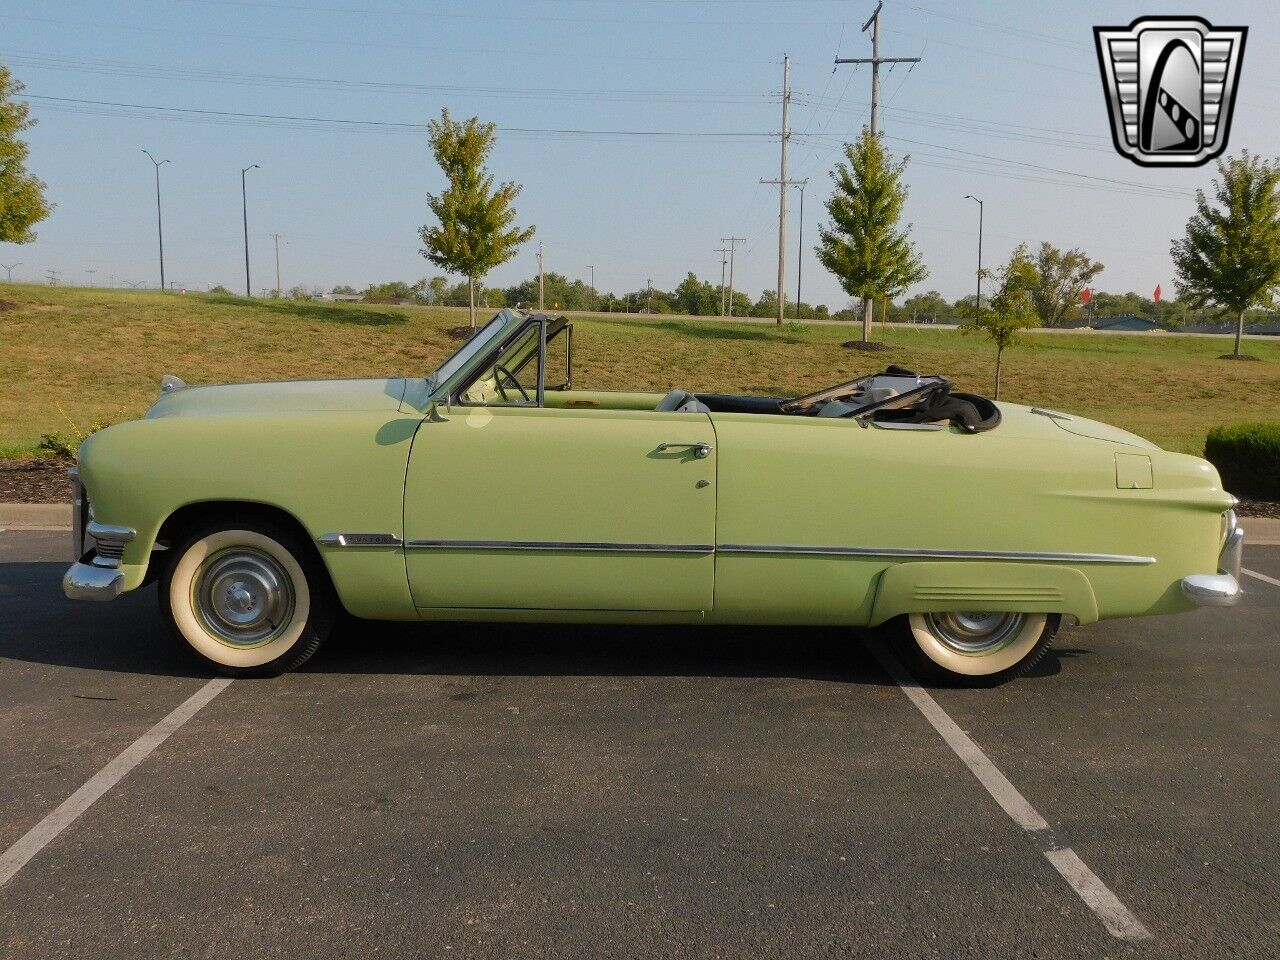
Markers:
(128, 635)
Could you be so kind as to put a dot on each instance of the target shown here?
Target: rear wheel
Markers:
(250, 600)
(976, 648)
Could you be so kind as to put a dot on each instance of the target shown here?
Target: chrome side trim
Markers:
(1212, 590)
(925, 553)
(1052, 414)
(78, 514)
(360, 540)
(111, 532)
(564, 546)
(84, 581)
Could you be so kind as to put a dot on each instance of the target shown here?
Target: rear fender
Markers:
(981, 585)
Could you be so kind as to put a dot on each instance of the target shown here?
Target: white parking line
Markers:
(1115, 916)
(67, 812)
(1263, 577)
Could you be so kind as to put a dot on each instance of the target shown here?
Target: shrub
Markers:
(1247, 456)
(64, 446)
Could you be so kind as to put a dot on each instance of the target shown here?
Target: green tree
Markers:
(1063, 275)
(931, 306)
(863, 246)
(1011, 309)
(1231, 253)
(696, 297)
(558, 293)
(22, 203)
(475, 231)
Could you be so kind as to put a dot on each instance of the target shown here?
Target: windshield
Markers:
(478, 343)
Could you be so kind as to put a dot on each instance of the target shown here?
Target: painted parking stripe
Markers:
(1263, 577)
(67, 812)
(1115, 916)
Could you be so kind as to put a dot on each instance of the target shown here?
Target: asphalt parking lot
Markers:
(517, 791)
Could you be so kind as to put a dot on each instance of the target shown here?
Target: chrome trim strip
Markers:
(925, 553)
(78, 518)
(1052, 414)
(1232, 556)
(360, 540)
(566, 546)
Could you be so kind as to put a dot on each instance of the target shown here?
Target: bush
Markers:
(1247, 456)
(64, 446)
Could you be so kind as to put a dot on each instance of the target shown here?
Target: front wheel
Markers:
(250, 601)
(976, 648)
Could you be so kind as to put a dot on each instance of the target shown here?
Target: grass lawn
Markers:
(78, 355)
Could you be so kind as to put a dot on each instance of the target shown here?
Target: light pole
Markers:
(244, 203)
(977, 299)
(592, 268)
(159, 219)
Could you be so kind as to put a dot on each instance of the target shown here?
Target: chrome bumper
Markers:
(1223, 588)
(85, 581)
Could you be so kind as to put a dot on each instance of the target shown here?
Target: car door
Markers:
(533, 508)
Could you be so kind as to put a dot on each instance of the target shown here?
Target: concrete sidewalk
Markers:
(57, 516)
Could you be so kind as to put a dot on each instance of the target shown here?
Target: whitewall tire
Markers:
(249, 600)
(976, 648)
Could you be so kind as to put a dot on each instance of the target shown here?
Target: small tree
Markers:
(1011, 309)
(871, 257)
(475, 232)
(1063, 275)
(22, 203)
(1231, 253)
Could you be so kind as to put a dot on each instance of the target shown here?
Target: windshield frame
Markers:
(475, 345)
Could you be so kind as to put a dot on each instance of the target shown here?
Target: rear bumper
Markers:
(85, 581)
(1223, 588)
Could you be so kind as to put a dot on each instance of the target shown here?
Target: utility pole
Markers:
(724, 262)
(592, 268)
(733, 246)
(783, 183)
(540, 278)
(159, 220)
(800, 246)
(53, 277)
(875, 60)
(91, 272)
(649, 283)
(977, 299)
(10, 267)
(279, 292)
(244, 203)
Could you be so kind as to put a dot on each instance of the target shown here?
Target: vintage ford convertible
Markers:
(495, 490)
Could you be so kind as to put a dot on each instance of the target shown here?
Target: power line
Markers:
(386, 125)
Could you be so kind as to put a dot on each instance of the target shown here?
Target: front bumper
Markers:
(1223, 588)
(86, 581)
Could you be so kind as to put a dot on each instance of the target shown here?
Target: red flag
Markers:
(1157, 293)
(1086, 294)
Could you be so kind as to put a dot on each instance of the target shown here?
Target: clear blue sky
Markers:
(1017, 82)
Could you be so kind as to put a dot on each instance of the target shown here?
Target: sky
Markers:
(639, 129)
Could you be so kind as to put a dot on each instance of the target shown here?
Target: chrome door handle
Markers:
(700, 450)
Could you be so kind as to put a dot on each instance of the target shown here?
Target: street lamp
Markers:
(244, 203)
(977, 300)
(159, 221)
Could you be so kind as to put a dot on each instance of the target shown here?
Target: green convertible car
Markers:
(494, 489)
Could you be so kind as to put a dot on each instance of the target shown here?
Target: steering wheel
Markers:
(499, 372)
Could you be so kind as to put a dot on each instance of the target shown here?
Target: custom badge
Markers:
(1170, 84)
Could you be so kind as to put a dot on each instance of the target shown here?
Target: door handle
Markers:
(700, 450)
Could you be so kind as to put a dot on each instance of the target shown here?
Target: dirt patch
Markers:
(1268, 509)
(870, 346)
(461, 333)
(34, 481)
(1243, 356)
(7, 305)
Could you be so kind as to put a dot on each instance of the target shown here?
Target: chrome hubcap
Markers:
(243, 596)
(975, 633)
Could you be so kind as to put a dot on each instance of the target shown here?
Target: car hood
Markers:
(1048, 424)
(281, 397)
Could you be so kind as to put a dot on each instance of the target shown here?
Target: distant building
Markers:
(341, 297)
(1128, 323)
